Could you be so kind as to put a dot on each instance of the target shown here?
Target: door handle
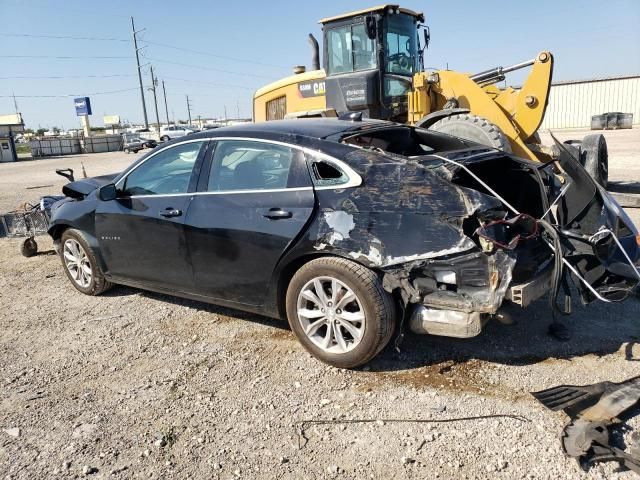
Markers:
(277, 213)
(170, 212)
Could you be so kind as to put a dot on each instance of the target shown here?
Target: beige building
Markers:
(573, 103)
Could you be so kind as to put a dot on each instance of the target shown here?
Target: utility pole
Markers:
(166, 109)
(189, 109)
(15, 104)
(155, 99)
(135, 45)
(225, 113)
(237, 109)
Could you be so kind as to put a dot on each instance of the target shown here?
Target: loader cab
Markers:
(370, 57)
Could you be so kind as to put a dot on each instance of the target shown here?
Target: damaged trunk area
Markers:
(511, 260)
(490, 227)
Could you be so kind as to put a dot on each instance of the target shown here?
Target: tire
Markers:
(96, 283)
(165, 138)
(596, 158)
(474, 128)
(29, 248)
(372, 303)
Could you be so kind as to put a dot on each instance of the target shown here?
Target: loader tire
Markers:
(595, 158)
(474, 128)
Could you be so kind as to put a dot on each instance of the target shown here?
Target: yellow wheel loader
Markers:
(374, 67)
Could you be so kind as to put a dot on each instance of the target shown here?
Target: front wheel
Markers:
(339, 311)
(81, 265)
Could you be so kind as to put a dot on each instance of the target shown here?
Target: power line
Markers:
(123, 40)
(65, 57)
(70, 94)
(210, 84)
(57, 77)
(64, 37)
(209, 54)
(200, 67)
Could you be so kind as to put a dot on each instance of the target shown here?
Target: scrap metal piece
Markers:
(593, 409)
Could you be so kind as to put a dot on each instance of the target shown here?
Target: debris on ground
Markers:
(594, 410)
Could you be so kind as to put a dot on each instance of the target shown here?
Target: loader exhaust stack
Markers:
(315, 55)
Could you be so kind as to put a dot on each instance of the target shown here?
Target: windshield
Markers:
(350, 50)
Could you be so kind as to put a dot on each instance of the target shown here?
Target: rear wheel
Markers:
(80, 264)
(165, 138)
(339, 311)
(596, 157)
(474, 128)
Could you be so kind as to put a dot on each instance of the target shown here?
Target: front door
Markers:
(256, 201)
(141, 233)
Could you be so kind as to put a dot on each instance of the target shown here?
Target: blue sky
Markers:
(264, 39)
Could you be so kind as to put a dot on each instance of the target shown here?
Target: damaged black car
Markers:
(350, 230)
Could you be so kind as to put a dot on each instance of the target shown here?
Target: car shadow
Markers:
(122, 290)
(597, 329)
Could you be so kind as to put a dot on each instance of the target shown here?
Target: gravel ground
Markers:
(134, 384)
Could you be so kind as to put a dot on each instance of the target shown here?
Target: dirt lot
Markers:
(139, 385)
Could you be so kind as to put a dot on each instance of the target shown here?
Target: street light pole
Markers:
(135, 46)
(155, 99)
(166, 109)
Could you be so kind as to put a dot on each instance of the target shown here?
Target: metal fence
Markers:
(69, 146)
(102, 143)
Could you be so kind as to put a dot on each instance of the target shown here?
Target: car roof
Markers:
(308, 127)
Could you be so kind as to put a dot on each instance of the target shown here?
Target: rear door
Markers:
(141, 233)
(251, 206)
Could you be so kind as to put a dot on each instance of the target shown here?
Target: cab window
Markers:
(350, 49)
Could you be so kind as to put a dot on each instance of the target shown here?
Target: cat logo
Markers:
(311, 89)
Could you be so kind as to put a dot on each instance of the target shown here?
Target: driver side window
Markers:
(167, 172)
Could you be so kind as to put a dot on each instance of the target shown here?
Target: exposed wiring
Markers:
(560, 195)
(624, 252)
(514, 210)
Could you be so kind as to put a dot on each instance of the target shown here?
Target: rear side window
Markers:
(327, 173)
(255, 165)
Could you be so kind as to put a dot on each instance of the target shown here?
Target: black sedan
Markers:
(135, 144)
(346, 228)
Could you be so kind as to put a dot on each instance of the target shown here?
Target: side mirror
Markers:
(371, 26)
(108, 192)
(427, 36)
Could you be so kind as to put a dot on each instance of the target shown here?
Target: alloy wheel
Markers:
(331, 315)
(77, 262)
